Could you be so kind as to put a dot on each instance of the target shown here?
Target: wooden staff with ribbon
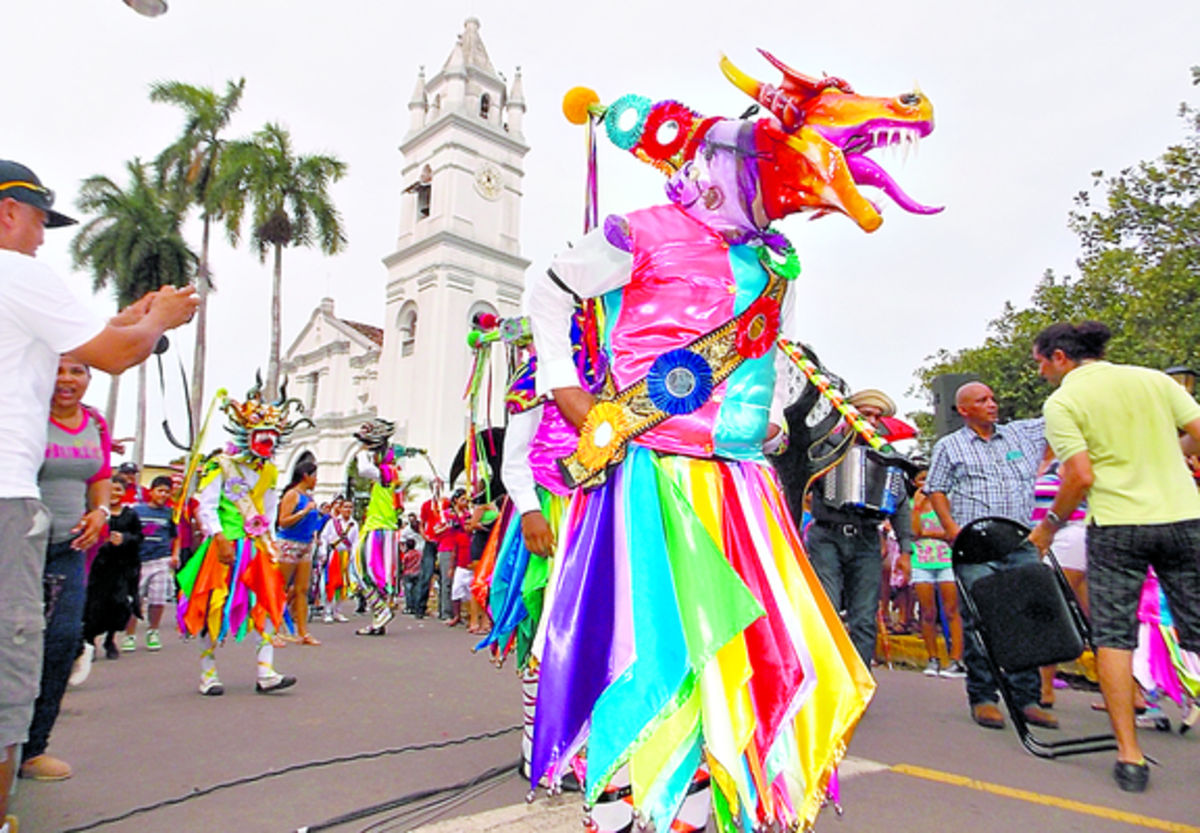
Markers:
(813, 373)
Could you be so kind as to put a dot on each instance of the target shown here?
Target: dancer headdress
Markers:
(376, 434)
(811, 152)
(259, 427)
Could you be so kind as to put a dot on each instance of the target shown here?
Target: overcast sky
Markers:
(1030, 96)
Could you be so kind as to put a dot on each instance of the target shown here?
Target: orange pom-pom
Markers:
(577, 102)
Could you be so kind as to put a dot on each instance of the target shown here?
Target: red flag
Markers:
(333, 578)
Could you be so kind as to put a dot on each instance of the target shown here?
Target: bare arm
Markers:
(88, 529)
(131, 335)
(919, 529)
(574, 402)
(941, 505)
(1190, 441)
(288, 516)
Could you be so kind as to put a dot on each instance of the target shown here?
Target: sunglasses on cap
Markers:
(31, 186)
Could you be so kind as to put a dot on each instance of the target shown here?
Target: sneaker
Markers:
(955, 670)
(338, 617)
(82, 666)
(129, 644)
(328, 620)
(153, 643)
(932, 669)
(10, 825)
(45, 768)
(110, 650)
(211, 687)
(276, 682)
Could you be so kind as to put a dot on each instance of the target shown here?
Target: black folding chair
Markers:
(1023, 618)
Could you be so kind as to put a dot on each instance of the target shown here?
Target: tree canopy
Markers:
(290, 205)
(133, 241)
(187, 168)
(1139, 272)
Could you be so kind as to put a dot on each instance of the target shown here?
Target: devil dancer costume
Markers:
(232, 584)
(373, 569)
(685, 636)
(536, 436)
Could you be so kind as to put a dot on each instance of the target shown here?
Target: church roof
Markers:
(469, 51)
(375, 334)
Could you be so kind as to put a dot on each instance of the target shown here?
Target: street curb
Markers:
(564, 813)
(556, 814)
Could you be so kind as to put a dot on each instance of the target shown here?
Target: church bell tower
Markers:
(458, 250)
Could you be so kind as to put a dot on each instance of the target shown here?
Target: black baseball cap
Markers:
(21, 184)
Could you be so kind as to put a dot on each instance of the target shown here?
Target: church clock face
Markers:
(487, 181)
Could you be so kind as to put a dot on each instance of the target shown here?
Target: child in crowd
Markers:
(112, 588)
(156, 580)
(411, 566)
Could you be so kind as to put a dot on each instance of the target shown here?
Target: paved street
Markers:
(139, 734)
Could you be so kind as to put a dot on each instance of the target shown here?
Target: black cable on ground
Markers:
(391, 804)
(262, 776)
(431, 811)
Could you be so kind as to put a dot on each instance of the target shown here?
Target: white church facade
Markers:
(457, 254)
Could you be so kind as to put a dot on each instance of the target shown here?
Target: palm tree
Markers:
(132, 244)
(290, 203)
(188, 167)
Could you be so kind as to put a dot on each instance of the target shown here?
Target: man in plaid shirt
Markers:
(988, 469)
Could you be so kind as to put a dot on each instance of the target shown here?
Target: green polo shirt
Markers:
(1126, 418)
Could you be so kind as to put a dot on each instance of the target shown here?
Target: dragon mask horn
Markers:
(256, 391)
(740, 79)
(788, 100)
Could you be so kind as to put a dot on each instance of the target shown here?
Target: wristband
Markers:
(1054, 520)
(107, 512)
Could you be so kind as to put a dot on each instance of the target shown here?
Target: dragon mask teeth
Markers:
(260, 427)
(826, 111)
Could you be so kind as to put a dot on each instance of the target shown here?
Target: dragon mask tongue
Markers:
(866, 171)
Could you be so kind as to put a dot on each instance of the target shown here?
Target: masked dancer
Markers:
(711, 656)
(373, 568)
(232, 585)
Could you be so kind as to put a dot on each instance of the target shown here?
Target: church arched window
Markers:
(485, 106)
(479, 309)
(406, 323)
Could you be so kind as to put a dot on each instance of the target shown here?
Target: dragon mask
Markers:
(259, 427)
(810, 154)
(376, 434)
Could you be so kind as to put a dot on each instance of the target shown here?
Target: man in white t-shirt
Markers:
(40, 319)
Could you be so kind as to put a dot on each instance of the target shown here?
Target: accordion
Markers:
(865, 481)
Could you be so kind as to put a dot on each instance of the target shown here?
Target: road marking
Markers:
(1047, 800)
(852, 766)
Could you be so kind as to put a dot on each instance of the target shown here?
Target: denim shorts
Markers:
(921, 575)
(1118, 557)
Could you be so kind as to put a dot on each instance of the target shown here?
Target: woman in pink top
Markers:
(74, 482)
